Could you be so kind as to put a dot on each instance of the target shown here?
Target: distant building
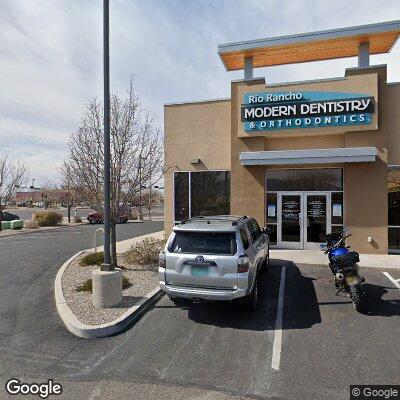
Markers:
(31, 196)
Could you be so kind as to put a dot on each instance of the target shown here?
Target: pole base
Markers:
(106, 288)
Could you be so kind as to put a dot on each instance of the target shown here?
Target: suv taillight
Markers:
(243, 263)
(161, 259)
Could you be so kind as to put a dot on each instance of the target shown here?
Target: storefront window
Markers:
(208, 192)
(394, 209)
(272, 216)
(337, 211)
(181, 193)
(324, 179)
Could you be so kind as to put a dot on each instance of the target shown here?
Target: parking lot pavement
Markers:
(215, 350)
(339, 346)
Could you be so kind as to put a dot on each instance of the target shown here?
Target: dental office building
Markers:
(304, 158)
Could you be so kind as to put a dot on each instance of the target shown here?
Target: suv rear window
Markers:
(204, 243)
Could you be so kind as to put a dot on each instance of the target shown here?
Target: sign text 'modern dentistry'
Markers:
(285, 110)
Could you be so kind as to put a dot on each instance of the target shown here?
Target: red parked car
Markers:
(97, 218)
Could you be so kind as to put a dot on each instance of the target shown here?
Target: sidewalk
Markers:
(318, 257)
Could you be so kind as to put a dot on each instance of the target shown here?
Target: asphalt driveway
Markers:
(214, 350)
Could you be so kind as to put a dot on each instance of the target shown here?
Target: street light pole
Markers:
(106, 282)
(140, 187)
(106, 66)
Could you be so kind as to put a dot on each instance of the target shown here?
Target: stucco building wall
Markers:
(213, 132)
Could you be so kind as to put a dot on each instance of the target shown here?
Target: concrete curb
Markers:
(50, 228)
(85, 331)
(316, 257)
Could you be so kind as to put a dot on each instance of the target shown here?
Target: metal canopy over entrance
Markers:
(312, 156)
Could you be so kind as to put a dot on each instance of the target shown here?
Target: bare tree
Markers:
(59, 192)
(136, 155)
(13, 174)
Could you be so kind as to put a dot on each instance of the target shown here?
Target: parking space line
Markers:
(277, 347)
(396, 282)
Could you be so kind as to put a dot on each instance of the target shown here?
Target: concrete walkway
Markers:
(316, 257)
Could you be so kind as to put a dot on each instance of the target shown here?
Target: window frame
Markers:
(190, 190)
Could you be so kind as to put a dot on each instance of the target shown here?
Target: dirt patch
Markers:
(144, 278)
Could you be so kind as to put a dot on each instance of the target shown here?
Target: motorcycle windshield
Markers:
(340, 251)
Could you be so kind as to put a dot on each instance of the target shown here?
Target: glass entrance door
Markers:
(315, 219)
(303, 219)
(290, 231)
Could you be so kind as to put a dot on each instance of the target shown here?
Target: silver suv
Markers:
(214, 258)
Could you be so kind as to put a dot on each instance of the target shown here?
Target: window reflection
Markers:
(394, 209)
(324, 179)
(210, 193)
(181, 195)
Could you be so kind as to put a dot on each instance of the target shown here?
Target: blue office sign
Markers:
(291, 110)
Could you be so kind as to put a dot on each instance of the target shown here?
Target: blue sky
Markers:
(51, 57)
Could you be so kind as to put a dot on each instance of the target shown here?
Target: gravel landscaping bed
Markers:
(143, 279)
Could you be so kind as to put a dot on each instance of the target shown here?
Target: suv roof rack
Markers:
(208, 219)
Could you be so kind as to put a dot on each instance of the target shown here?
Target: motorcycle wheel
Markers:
(357, 297)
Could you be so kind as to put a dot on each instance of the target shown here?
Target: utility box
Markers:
(5, 225)
(17, 224)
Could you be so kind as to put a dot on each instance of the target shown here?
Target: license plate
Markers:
(351, 280)
(199, 271)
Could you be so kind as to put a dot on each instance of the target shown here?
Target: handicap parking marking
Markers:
(396, 282)
(277, 346)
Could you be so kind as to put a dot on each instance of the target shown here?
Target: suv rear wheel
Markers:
(251, 301)
(265, 264)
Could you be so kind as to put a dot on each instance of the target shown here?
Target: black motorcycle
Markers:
(343, 264)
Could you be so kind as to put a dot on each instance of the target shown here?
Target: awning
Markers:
(314, 156)
(313, 46)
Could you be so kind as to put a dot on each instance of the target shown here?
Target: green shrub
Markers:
(48, 218)
(145, 252)
(92, 259)
(87, 285)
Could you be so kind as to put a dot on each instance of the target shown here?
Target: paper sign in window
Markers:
(336, 210)
(271, 210)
